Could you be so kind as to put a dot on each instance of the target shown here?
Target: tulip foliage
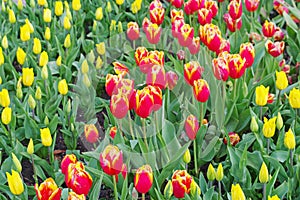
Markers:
(151, 99)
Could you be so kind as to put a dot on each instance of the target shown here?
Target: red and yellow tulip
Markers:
(143, 179)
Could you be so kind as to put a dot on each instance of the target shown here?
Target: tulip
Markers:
(220, 68)
(1, 57)
(37, 47)
(185, 35)
(58, 61)
(153, 32)
(11, 16)
(42, 2)
(275, 197)
(294, 98)
(247, 52)
(67, 42)
(281, 80)
(237, 192)
(43, 59)
(168, 191)
(91, 133)
(47, 33)
(236, 66)
(213, 38)
(278, 35)
(232, 24)
(156, 93)
(289, 140)
(252, 5)
(279, 6)
(233, 137)
(27, 76)
(192, 71)
(44, 73)
(140, 54)
(195, 46)
(86, 80)
(133, 31)
(30, 26)
(157, 77)
(144, 102)
(211, 173)
(76, 5)
(111, 83)
(30, 147)
(269, 127)
(48, 190)
(63, 87)
(219, 172)
(120, 68)
(205, 16)
(113, 132)
(59, 9)
(21, 56)
(31, 102)
(99, 13)
(25, 33)
(66, 161)
(195, 189)
(261, 93)
(16, 162)
(74, 196)
(263, 173)
(235, 9)
(279, 121)
(47, 15)
(111, 160)
(268, 29)
(181, 182)
(4, 98)
(143, 179)
(157, 15)
(253, 125)
(172, 79)
(191, 126)
(100, 48)
(46, 137)
(6, 115)
(177, 3)
(84, 67)
(4, 42)
(187, 157)
(19, 93)
(67, 23)
(201, 90)
(15, 183)
(119, 105)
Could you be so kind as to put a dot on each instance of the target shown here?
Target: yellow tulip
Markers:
(168, 191)
(99, 13)
(67, 23)
(16, 162)
(275, 197)
(100, 48)
(99, 62)
(4, 42)
(31, 102)
(289, 140)
(30, 147)
(253, 125)
(108, 7)
(63, 87)
(69, 14)
(47, 33)
(46, 137)
(279, 121)
(38, 93)
(211, 174)
(67, 42)
(42, 2)
(86, 80)
(20, 5)
(58, 61)
(261, 93)
(113, 27)
(59, 8)
(21, 56)
(11, 16)
(219, 173)
(27, 76)
(120, 27)
(281, 80)
(43, 59)
(237, 192)
(44, 72)
(1, 57)
(46, 121)
(4, 98)
(6, 115)
(119, 2)
(187, 156)
(47, 15)
(294, 98)
(0, 80)
(263, 173)
(195, 189)
(76, 5)
(84, 67)
(37, 47)
(25, 33)
(32, 3)
(31, 29)
(15, 183)
(19, 92)
(269, 127)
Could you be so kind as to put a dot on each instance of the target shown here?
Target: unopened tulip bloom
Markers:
(100, 48)
(232, 24)
(191, 126)
(27, 76)
(177, 3)
(66, 161)
(247, 52)
(11, 16)
(4, 98)
(289, 140)
(205, 16)
(269, 127)
(192, 71)
(119, 105)
(47, 33)
(268, 29)
(172, 79)
(195, 189)
(37, 47)
(99, 13)
(220, 68)
(25, 33)
(261, 93)
(133, 31)
(47, 190)
(279, 121)
(38, 93)
(74, 196)
(4, 42)
(111, 160)
(236, 66)
(58, 61)
(43, 59)
(42, 2)
(113, 132)
(201, 90)
(237, 192)
(30, 147)
(67, 42)
(294, 98)
(235, 9)
(1, 57)
(275, 49)
(211, 173)
(144, 102)
(21, 56)
(263, 173)
(157, 77)
(30, 26)
(275, 197)
(46, 137)
(91, 133)
(67, 23)
(157, 15)
(111, 84)
(6, 115)
(47, 15)
(153, 33)
(252, 5)
(253, 125)
(281, 80)
(168, 191)
(63, 87)
(31, 102)
(76, 5)
(59, 8)
(16, 162)
(15, 182)
(187, 156)
(143, 179)
(219, 172)
(44, 73)
(181, 182)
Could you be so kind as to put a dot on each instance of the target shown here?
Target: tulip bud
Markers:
(84, 67)
(195, 189)
(16, 162)
(237, 192)
(253, 125)
(21, 56)
(100, 48)
(43, 59)
(120, 27)
(119, 105)
(113, 27)
(47, 15)
(201, 90)
(31, 29)
(46, 121)
(66, 161)
(6, 115)
(3, 7)
(91, 133)
(294, 98)
(47, 33)
(32, 3)
(94, 26)
(67, 23)
(268, 29)
(133, 31)
(30, 147)
(44, 72)
(4, 98)
(76, 5)
(261, 93)
(143, 179)
(108, 7)
(281, 80)
(289, 140)
(4, 42)
(19, 93)
(113, 132)
(15, 182)
(91, 56)
(37, 47)
(269, 127)
(58, 61)
(279, 121)
(31, 102)
(219, 173)
(59, 9)
(191, 126)
(187, 156)
(43, 3)
(72, 127)
(168, 191)
(263, 173)
(46, 137)
(99, 14)
(63, 87)
(211, 174)
(67, 42)
(38, 93)
(99, 63)
(11, 16)
(111, 160)
(192, 71)
(1, 57)
(27, 76)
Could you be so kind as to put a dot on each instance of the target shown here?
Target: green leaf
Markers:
(290, 22)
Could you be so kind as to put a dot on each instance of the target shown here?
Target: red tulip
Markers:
(270, 98)
(91, 133)
(119, 105)
(157, 15)
(201, 90)
(157, 77)
(153, 33)
(120, 68)
(157, 97)
(224, 47)
(187, 8)
(140, 54)
(220, 68)
(144, 102)
(47, 190)
(278, 35)
(236, 66)
(66, 161)
(252, 5)
(177, 3)
(212, 6)
(268, 29)
(192, 71)
(191, 126)
(213, 38)
(132, 100)
(133, 31)
(111, 83)
(275, 48)
(111, 160)
(247, 52)
(235, 9)
(176, 15)
(155, 4)
(181, 183)
(172, 79)
(195, 46)
(113, 132)
(186, 35)
(205, 16)
(232, 24)
(233, 137)
(125, 86)
(143, 179)
(279, 6)
(176, 26)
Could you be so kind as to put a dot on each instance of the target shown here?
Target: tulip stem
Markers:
(219, 185)
(279, 98)
(264, 191)
(49, 155)
(143, 196)
(115, 187)
(291, 157)
(145, 133)
(34, 172)
(268, 146)
(130, 126)
(195, 157)
(261, 117)
(234, 89)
